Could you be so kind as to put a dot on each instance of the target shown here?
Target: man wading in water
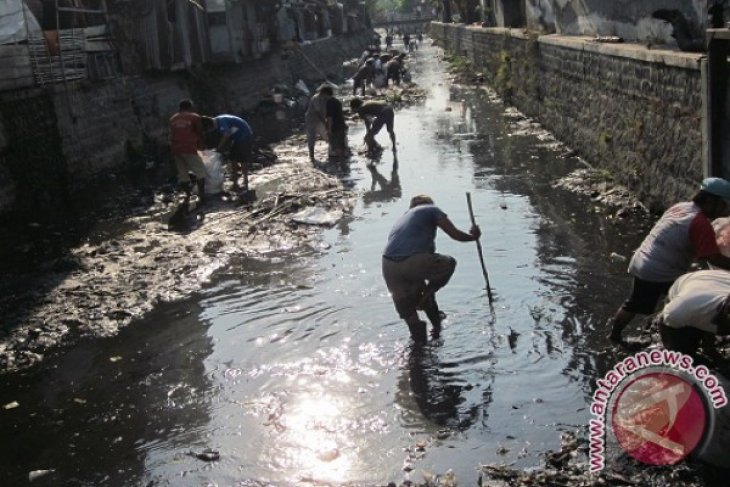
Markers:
(412, 269)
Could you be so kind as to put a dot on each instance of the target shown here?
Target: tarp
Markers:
(13, 19)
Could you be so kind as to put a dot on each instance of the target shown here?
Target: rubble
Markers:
(600, 187)
(98, 287)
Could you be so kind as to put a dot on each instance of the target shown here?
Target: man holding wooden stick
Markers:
(412, 269)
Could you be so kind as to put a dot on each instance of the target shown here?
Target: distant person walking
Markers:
(186, 137)
(235, 142)
(683, 233)
(315, 119)
(412, 269)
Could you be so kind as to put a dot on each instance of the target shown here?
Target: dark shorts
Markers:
(338, 139)
(684, 340)
(241, 150)
(387, 118)
(645, 295)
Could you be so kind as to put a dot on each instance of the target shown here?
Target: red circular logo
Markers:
(659, 418)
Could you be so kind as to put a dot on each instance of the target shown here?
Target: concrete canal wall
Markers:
(632, 110)
(56, 140)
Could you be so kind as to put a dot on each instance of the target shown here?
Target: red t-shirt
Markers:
(703, 238)
(681, 234)
(186, 131)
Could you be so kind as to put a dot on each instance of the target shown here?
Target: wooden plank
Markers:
(79, 10)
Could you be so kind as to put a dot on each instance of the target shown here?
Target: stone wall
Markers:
(96, 123)
(56, 140)
(629, 19)
(623, 107)
(32, 165)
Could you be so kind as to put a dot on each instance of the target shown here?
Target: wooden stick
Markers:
(479, 251)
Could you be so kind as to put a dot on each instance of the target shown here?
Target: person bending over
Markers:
(236, 141)
(376, 114)
(683, 233)
(697, 309)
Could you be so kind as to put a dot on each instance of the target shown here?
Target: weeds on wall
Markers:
(503, 79)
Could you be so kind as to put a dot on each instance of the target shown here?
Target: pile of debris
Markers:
(569, 467)
(98, 287)
(600, 187)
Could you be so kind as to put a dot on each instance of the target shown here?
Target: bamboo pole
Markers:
(479, 251)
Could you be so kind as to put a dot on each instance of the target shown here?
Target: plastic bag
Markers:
(213, 162)
(314, 215)
(302, 86)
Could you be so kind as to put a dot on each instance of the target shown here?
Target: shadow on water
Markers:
(381, 188)
(95, 413)
(438, 392)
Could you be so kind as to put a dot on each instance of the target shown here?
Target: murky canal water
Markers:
(296, 367)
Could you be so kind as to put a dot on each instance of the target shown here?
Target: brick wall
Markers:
(32, 164)
(626, 108)
(95, 122)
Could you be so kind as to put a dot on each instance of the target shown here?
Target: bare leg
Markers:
(235, 172)
(311, 139)
(244, 166)
(417, 328)
(434, 316)
(201, 190)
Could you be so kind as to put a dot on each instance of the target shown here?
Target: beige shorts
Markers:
(189, 163)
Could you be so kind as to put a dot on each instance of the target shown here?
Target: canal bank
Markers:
(632, 109)
(293, 365)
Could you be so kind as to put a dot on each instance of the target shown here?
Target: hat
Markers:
(718, 187)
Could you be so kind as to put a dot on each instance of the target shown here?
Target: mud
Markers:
(96, 288)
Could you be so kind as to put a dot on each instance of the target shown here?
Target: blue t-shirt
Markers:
(237, 127)
(414, 233)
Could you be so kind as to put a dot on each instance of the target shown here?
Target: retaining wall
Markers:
(632, 110)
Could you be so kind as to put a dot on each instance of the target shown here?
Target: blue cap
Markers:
(717, 186)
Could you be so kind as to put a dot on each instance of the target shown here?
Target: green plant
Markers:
(503, 79)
